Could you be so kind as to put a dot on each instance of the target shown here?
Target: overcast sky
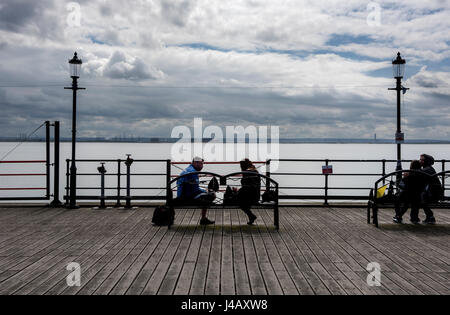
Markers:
(314, 68)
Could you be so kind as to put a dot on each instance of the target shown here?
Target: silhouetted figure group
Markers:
(189, 191)
(417, 189)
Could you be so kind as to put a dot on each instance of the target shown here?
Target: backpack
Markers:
(269, 196)
(213, 185)
(163, 216)
(230, 197)
(433, 191)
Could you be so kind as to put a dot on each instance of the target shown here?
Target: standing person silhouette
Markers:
(426, 161)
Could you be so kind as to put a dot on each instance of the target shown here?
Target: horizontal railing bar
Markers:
(122, 188)
(322, 197)
(233, 162)
(23, 174)
(346, 160)
(25, 188)
(116, 160)
(17, 162)
(121, 198)
(343, 188)
(23, 198)
(317, 174)
(115, 174)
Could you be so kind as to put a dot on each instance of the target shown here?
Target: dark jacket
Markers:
(251, 187)
(188, 187)
(412, 185)
(433, 188)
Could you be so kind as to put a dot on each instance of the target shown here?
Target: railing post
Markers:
(268, 174)
(56, 202)
(128, 163)
(168, 179)
(67, 181)
(47, 157)
(276, 208)
(101, 169)
(443, 177)
(326, 184)
(384, 170)
(119, 174)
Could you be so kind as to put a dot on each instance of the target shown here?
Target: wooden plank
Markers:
(266, 229)
(212, 286)
(187, 272)
(91, 242)
(301, 254)
(175, 278)
(202, 264)
(257, 283)
(60, 254)
(300, 282)
(141, 280)
(316, 251)
(95, 262)
(103, 281)
(241, 275)
(38, 260)
(168, 266)
(227, 286)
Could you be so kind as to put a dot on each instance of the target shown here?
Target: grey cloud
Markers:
(428, 82)
(32, 16)
(177, 11)
(14, 14)
(106, 10)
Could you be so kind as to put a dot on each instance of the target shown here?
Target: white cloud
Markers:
(273, 62)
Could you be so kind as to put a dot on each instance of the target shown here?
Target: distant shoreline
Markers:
(281, 141)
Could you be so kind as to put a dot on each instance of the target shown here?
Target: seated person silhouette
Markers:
(189, 191)
(249, 194)
(411, 188)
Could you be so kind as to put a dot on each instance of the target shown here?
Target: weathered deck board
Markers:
(316, 251)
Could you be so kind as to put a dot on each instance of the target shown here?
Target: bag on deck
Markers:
(163, 216)
(269, 196)
(230, 197)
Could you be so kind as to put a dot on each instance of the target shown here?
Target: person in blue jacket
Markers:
(188, 189)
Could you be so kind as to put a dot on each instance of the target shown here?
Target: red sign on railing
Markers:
(327, 169)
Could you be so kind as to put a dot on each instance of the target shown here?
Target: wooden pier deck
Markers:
(316, 251)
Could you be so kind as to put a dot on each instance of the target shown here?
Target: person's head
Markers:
(245, 164)
(426, 160)
(415, 165)
(197, 163)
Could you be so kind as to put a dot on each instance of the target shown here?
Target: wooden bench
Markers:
(375, 202)
(267, 184)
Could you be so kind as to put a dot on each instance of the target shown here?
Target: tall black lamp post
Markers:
(75, 68)
(398, 67)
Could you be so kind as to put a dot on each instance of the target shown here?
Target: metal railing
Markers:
(47, 163)
(119, 174)
(324, 189)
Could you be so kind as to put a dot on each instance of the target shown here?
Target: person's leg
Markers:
(415, 212)
(204, 210)
(400, 210)
(204, 201)
(401, 205)
(429, 215)
(251, 217)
